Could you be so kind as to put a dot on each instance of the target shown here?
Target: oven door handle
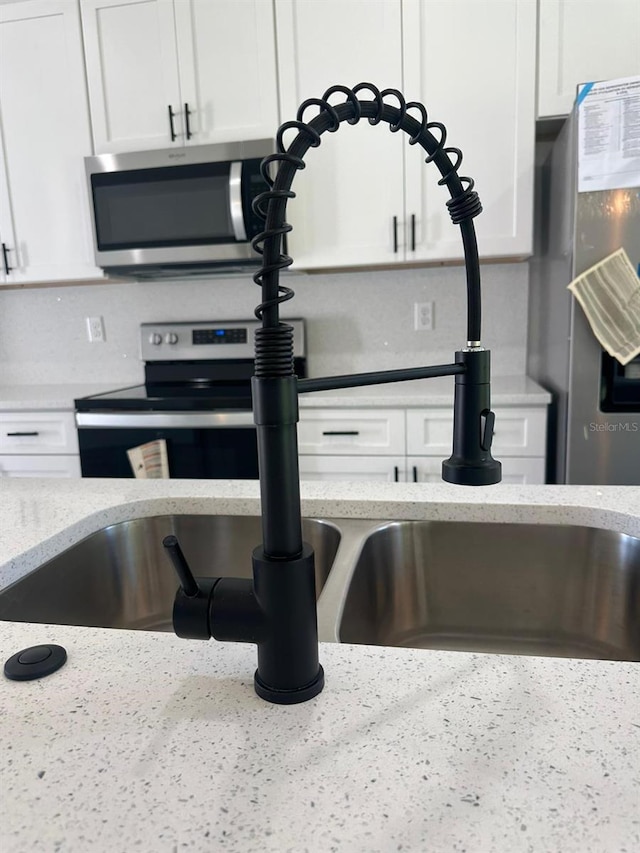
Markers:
(164, 420)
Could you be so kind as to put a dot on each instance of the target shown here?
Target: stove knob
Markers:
(155, 338)
(171, 338)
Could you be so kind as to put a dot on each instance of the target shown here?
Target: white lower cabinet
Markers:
(519, 442)
(40, 466)
(38, 444)
(517, 471)
(352, 432)
(518, 431)
(409, 445)
(381, 469)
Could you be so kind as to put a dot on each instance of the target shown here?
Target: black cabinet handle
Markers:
(415, 473)
(12, 434)
(5, 258)
(396, 474)
(413, 232)
(395, 234)
(173, 132)
(187, 113)
(341, 432)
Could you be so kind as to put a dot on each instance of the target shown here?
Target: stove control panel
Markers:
(199, 341)
(202, 337)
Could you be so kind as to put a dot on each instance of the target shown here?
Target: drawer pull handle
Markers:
(415, 473)
(396, 474)
(171, 127)
(12, 434)
(5, 258)
(341, 432)
(395, 235)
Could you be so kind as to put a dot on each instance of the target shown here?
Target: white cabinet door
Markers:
(40, 466)
(353, 184)
(176, 72)
(518, 471)
(381, 469)
(7, 239)
(227, 58)
(27, 433)
(132, 73)
(584, 41)
(350, 432)
(480, 83)
(45, 135)
(519, 432)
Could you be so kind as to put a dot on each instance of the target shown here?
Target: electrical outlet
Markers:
(95, 330)
(423, 320)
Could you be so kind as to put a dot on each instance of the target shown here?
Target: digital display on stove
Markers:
(219, 336)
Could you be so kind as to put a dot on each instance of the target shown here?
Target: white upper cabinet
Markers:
(176, 72)
(480, 83)
(227, 55)
(367, 197)
(582, 41)
(44, 211)
(132, 73)
(353, 185)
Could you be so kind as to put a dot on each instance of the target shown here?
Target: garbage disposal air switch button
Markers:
(36, 654)
(35, 662)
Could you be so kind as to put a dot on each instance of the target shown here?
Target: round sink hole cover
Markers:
(35, 662)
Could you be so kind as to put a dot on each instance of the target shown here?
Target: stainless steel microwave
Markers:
(177, 212)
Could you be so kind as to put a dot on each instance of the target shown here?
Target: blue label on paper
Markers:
(583, 93)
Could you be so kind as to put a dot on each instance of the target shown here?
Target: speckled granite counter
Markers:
(40, 518)
(147, 742)
(52, 397)
(506, 391)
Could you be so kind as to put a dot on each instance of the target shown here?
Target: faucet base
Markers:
(289, 697)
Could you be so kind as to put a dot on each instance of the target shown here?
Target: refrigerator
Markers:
(587, 206)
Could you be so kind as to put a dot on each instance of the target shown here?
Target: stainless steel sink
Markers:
(120, 576)
(510, 588)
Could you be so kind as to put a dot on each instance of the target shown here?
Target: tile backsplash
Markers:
(356, 321)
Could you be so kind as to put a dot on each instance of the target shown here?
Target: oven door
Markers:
(200, 445)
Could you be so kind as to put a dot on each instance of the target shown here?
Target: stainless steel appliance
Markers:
(595, 415)
(177, 212)
(196, 396)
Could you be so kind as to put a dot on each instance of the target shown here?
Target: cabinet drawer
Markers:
(523, 471)
(380, 469)
(518, 432)
(40, 466)
(38, 432)
(346, 432)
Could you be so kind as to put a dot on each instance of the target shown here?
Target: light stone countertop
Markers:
(50, 397)
(39, 518)
(505, 391)
(147, 742)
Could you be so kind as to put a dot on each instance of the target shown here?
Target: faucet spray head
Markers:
(471, 462)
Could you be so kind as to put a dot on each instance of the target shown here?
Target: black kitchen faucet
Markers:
(277, 608)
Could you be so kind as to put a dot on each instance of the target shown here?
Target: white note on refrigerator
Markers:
(609, 135)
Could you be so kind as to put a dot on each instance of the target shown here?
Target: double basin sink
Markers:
(536, 589)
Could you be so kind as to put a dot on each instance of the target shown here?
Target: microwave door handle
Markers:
(235, 201)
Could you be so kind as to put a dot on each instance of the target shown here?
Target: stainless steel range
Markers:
(196, 398)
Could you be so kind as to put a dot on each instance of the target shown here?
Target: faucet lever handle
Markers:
(185, 575)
